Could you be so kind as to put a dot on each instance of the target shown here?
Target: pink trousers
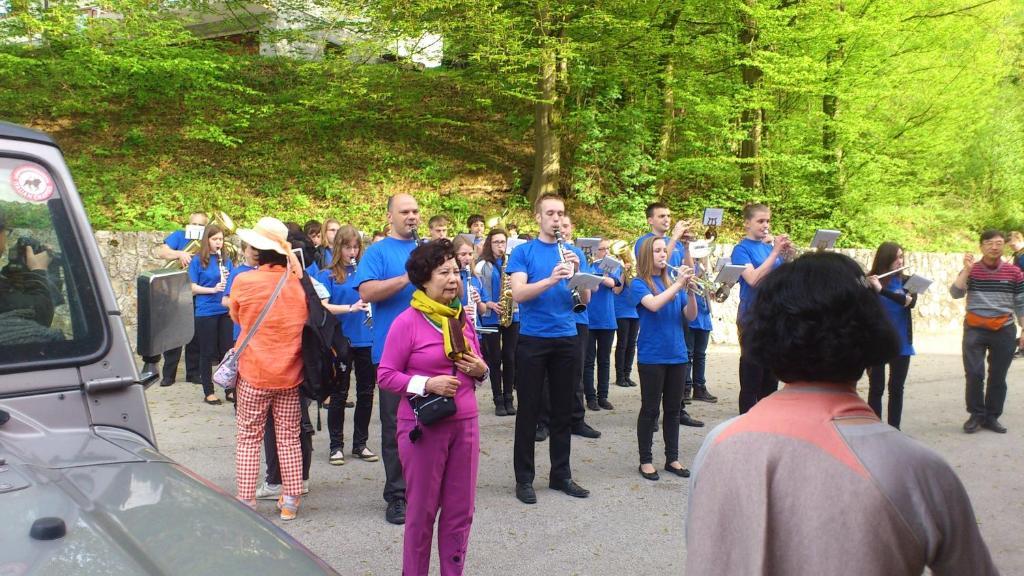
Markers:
(440, 473)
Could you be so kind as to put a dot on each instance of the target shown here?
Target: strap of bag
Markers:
(263, 313)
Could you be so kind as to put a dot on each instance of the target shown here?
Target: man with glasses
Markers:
(995, 293)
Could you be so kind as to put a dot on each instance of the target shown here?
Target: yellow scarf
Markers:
(448, 317)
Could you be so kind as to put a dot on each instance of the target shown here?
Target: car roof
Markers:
(16, 132)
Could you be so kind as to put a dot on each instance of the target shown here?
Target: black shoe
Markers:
(510, 407)
(542, 434)
(632, 384)
(149, 368)
(648, 475)
(569, 487)
(622, 383)
(687, 401)
(681, 472)
(165, 382)
(499, 409)
(592, 405)
(350, 404)
(585, 430)
(702, 395)
(686, 420)
(973, 423)
(525, 493)
(605, 404)
(395, 513)
(993, 425)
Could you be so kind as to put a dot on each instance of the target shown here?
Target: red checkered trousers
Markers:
(252, 404)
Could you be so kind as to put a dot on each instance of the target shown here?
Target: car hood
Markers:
(130, 510)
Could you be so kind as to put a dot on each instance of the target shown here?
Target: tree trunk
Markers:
(753, 117)
(831, 148)
(547, 144)
(668, 96)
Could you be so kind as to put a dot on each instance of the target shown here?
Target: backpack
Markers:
(325, 350)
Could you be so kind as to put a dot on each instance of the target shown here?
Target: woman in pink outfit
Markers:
(432, 349)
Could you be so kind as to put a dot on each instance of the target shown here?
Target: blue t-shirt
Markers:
(581, 317)
(625, 307)
(678, 255)
(703, 319)
(601, 309)
(352, 325)
(383, 260)
(549, 315)
(227, 292)
(898, 316)
(328, 257)
(176, 240)
(661, 338)
(753, 252)
(493, 294)
(207, 304)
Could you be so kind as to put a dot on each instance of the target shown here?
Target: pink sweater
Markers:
(414, 347)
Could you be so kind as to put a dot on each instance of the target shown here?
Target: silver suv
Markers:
(83, 488)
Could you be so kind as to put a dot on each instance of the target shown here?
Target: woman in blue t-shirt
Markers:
(209, 274)
(661, 351)
(499, 347)
(340, 280)
(760, 255)
(897, 304)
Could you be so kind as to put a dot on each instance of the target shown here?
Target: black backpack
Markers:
(325, 350)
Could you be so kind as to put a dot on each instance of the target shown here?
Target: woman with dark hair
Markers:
(897, 304)
(270, 368)
(209, 273)
(499, 346)
(811, 466)
(339, 279)
(431, 349)
(663, 303)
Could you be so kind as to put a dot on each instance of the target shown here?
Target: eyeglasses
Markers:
(993, 243)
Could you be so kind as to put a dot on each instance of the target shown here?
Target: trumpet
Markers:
(577, 302)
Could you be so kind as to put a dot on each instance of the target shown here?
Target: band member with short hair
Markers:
(438, 226)
(344, 302)
(897, 304)
(547, 348)
(499, 347)
(579, 412)
(698, 336)
(209, 272)
(664, 304)
(602, 326)
(627, 324)
(384, 283)
(659, 218)
(995, 293)
(760, 258)
(475, 225)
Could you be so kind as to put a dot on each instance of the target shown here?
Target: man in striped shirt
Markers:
(995, 293)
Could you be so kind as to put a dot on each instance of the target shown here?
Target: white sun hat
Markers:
(268, 234)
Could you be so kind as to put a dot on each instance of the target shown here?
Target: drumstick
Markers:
(880, 276)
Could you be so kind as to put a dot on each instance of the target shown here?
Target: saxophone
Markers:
(506, 297)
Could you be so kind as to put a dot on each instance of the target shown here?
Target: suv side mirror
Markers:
(165, 311)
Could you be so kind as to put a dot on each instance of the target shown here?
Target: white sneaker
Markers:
(305, 487)
(337, 458)
(269, 491)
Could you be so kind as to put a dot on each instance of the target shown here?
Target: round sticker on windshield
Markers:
(31, 183)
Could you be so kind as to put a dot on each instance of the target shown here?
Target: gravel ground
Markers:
(629, 525)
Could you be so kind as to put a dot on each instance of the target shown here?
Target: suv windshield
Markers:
(48, 308)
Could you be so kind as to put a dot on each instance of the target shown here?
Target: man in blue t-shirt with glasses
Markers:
(540, 271)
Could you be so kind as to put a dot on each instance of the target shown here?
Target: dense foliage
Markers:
(887, 119)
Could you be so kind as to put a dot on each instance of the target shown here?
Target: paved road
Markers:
(628, 525)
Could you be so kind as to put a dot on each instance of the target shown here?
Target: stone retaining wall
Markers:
(128, 254)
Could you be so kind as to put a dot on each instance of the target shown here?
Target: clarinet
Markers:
(577, 302)
(416, 235)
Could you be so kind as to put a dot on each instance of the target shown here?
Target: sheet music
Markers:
(584, 281)
(917, 284)
(730, 274)
(825, 239)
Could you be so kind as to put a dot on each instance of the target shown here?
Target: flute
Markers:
(891, 272)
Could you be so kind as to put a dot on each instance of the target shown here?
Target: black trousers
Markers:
(214, 334)
(661, 387)
(625, 346)
(394, 481)
(306, 432)
(500, 355)
(173, 357)
(599, 352)
(579, 407)
(366, 381)
(697, 350)
(999, 345)
(756, 381)
(898, 368)
(536, 359)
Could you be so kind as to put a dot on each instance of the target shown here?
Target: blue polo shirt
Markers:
(625, 307)
(383, 260)
(703, 319)
(753, 252)
(601, 309)
(898, 316)
(227, 292)
(678, 255)
(208, 276)
(176, 240)
(549, 315)
(661, 338)
(352, 325)
(493, 294)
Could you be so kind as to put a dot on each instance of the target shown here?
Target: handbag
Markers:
(431, 409)
(226, 375)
